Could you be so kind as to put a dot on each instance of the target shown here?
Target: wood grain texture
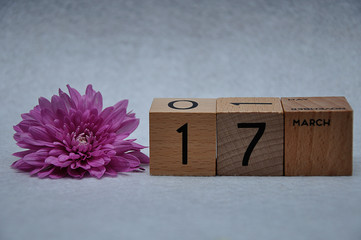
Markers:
(166, 142)
(318, 136)
(266, 159)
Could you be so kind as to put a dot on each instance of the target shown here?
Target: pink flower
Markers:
(73, 136)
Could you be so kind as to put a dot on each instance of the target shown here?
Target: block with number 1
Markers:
(250, 137)
(183, 137)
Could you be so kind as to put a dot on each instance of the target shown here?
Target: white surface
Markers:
(145, 49)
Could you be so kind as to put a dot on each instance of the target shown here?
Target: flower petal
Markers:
(56, 152)
(39, 133)
(44, 103)
(36, 158)
(21, 165)
(96, 162)
(44, 173)
(69, 103)
(133, 161)
(111, 172)
(23, 153)
(128, 126)
(127, 145)
(106, 112)
(83, 165)
(97, 172)
(122, 104)
(28, 139)
(98, 101)
(76, 173)
(141, 156)
(74, 95)
(116, 117)
(63, 157)
(89, 92)
(58, 173)
(58, 104)
(48, 116)
(119, 164)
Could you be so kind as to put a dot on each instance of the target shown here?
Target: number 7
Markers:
(261, 127)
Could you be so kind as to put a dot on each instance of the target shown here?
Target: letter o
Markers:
(171, 104)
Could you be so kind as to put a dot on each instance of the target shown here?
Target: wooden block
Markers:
(318, 136)
(249, 136)
(183, 136)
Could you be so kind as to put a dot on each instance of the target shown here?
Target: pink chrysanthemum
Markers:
(73, 136)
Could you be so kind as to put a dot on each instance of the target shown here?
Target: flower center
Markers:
(82, 139)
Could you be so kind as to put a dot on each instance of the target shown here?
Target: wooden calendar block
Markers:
(318, 136)
(183, 136)
(249, 136)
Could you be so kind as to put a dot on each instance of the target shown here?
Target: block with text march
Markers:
(318, 136)
(182, 136)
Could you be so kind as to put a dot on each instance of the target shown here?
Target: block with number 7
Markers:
(182, 137)
(249, 137)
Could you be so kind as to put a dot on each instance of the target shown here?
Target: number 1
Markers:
(261, 127)
(184, 130)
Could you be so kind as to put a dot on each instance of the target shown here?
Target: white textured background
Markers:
(145, 49)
